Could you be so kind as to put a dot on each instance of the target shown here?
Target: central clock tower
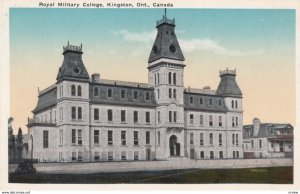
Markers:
(166, 65)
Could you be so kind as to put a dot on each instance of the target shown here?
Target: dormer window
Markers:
(135, 95)
(147, 96)
(96, 91)
(201, 100)
(220, 103)
(210, 101)
(123, 93)
(109, 93)
(191, 100)
(73, 90)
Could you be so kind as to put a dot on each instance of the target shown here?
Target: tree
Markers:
(11, 140)
(19, 144)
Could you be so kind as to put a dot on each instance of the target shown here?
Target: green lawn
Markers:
(272, 175)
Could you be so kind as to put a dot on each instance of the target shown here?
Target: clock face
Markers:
(172, 48)
(77, 70)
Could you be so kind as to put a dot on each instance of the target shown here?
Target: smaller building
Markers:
(268, 140)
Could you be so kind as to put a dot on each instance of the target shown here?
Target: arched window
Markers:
(73, 90)
(78, 90)
(96, 91)
(232, 104)
(123, 94)
(170, 93)
(155, 79)
(174, 78)
(135, 95)
(170, 78)
(174, 93)
(236, 104)
(109, 93)
(147, 96)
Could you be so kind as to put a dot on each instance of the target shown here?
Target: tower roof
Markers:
(72, 66)
(228, 85)
(166, 44)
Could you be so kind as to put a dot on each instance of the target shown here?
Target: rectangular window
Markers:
(237, 154)
(211, 155)
(135, 116)
(74, 156)
(123, 155)
(45, 139)
(96, 114)
(73, 112)
(96, 156)
(79, 137)
(158, 137)
(221, 154)
(232, 121)
(123, 138)
(233, 154)
(237, 139)
(109, 115)
(147, 117)
(135, 138)
(79, 156)
(170, 93)
(211, 139)
(61, 137)
(136, 155)
(110, 156)
(220, 139)
(174, 93)
(147, 137)
(79, 113)
(110, 137)
(73, 136)
(123, 115)
(191, 138)
(202, 154)
(210, 120)
(220, 121)
(191, 119)
(175, 116)
(170, 116)
(201, 120)
(233, 141)
(260, 143)
(96, 136)
(158, 117)
(201, 139)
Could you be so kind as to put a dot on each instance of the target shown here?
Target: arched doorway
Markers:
(31, 150)
(174, 146)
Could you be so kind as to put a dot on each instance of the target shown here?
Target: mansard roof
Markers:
(228, 85)
(166, 44)
(72, 66)
(116, 88)
(205, 96)
(264, 129)
(47, 98)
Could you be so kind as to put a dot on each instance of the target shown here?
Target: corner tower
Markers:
(165, 65)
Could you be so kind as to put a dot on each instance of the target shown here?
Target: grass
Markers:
(270, 175)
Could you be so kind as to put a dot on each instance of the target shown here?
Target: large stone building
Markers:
(83, 118)
(268, 140)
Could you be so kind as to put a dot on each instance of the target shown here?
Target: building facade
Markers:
(268, 140)
(83, 118)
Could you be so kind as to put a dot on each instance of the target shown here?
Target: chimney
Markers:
(96, 77)
(256, 125)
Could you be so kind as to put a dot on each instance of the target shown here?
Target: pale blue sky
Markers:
(259, 43)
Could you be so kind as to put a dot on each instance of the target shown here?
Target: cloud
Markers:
(142, 37)
(213, 46)
(186, 44)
